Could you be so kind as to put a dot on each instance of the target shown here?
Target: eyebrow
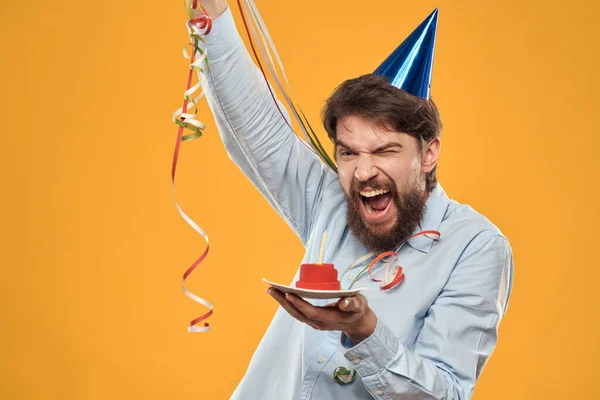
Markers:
(388, 146)
(339, 143)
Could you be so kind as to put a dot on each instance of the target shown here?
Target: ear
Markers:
(430, 155)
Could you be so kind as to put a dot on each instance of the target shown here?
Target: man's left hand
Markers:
(351, 315)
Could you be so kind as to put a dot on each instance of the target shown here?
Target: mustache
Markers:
(358, 186)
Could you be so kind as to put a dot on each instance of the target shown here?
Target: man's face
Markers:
(383, 175)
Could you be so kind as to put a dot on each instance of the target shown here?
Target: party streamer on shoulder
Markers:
(185, 117)
(254, 23)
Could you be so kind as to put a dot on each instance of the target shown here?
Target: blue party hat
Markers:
(409, 66)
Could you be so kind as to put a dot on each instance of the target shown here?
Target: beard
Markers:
(375, 237)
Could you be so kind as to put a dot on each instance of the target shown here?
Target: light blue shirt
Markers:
(435, 331)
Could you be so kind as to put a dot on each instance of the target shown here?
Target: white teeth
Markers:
(373, 193)
(368, 207)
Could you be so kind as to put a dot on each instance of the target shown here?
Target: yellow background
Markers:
(93, 248)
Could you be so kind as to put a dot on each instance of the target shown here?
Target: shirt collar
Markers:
(435, 209)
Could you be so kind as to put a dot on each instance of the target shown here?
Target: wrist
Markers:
(214, 8)
(363, 328)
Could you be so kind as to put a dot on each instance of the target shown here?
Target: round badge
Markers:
(343, 376)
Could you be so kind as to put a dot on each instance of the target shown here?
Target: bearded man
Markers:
(428, 337)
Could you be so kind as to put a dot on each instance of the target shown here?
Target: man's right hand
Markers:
(214, 8)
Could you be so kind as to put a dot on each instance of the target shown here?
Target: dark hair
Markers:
(372, 97)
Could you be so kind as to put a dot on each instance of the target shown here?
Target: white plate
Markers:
(315, 294)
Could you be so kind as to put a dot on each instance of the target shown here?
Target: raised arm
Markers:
(255, 134)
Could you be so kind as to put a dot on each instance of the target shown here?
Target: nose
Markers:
(365, 169)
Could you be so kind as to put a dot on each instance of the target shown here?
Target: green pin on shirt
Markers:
(343, 376)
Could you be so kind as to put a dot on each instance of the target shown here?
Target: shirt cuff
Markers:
(223, 36)
(375, 352)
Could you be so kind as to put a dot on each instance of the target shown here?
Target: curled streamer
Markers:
(185, 117)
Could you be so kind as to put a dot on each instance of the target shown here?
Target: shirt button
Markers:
(350, 277)
(380, 392)
(356, 360)
(321, 359)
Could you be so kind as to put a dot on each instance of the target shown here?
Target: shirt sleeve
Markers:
(457, 338)
(255, 134)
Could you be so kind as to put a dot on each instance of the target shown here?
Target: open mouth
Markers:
(376, 202)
